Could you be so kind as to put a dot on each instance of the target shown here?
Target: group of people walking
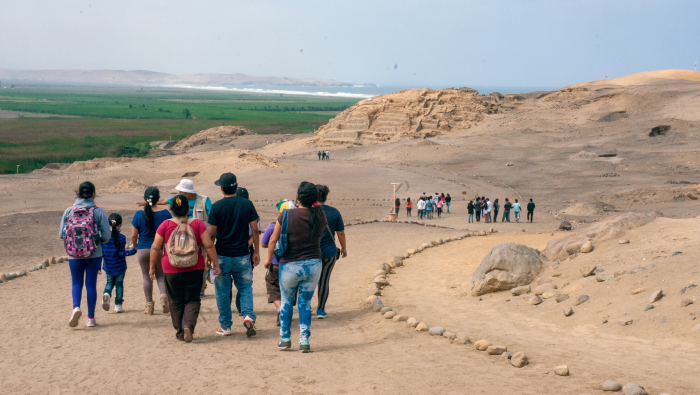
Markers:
(324, 155)
(427, 206)
(483, 206)
(195, 242)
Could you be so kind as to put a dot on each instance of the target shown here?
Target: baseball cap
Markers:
(285, 204)
(243, 193)
(185, 185)
(226, 180)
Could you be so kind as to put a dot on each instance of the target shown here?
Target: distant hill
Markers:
(144, 77)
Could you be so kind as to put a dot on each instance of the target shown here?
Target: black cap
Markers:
(242, 193)
(227, 180)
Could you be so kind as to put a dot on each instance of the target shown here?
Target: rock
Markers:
(387, 267)
(482, 345)
(686, 302)
(638, 291)
(549, 294)
(385, 309)
(587, 270)
(378, 301)
(400, 318)
(412, 322)
(535, 300)
(412, 251)
(587, 247)
(599, 279)
(517, 291)
(437, 331)
(426, 245)
(572, 289)
(676, 253)
(624, 241)
(65, 258)
(422, 327)
(482, 233)
(568, 311)
(490, 230)
(581, 299)
(389, 315)
(393, 264)
(59, 259)
(45, 264)
(634, 389)
(496, 350)
(22, 273)
(610, 385)
(370, 299)
(374, 291)
(561, 370)
(3, 277)
(519, 359)
(462, 339)
(561, 297)
(506, 266)
(377, 308)
(565, 225)
(380, 280)
(379, 273)
(625, 321)
(656, 296)
(449, 335)
(507, 356)
(52, 261)
(540, 289)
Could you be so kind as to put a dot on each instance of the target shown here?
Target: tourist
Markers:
(530, 210)
(397, 206)
(231, 222)
(183, 283)
(319, 155)
(300, 264)
(329, 251)
(489, 207)
(477, 209)
(328, 155)
(495, 208)
(421, 207)
(448, 199)
(429, 208)
(436, 197)
(85, 254)
(272, 282)
(470, 211)
(506, 211)
(438, 207)
(516, 208)
(143, 231)
(243, 193)
(114, 252)
(409, 205)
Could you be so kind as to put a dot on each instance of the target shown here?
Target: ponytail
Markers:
(114, 221)
(308, 197)
(151, 196)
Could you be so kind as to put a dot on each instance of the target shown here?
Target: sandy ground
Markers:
(553, 143)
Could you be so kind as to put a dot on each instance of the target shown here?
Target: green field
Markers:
(121, 121)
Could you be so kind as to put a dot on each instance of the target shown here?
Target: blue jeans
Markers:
(304, 276)
(448, 206)
(118, 282)
(240, 269)
(517, 215)
(471, 218)
(85, 270)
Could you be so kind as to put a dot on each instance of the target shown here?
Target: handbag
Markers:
(281, 246)
(337, 250)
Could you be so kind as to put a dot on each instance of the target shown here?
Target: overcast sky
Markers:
(528, 43)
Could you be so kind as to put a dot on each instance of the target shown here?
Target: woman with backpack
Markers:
(84, 228)
(299, 254)
(183, 265)
(143, 231)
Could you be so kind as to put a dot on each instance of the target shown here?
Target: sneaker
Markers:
(105, 301)
(149, 308)
(91, 323)
(249, 325)
(118, 308)
(284, 344)
(223, 331)
(279, 322)
(75, 317)
(304, 347)
(201, 293)
(164, 303)
(320, 314)
(188, 335)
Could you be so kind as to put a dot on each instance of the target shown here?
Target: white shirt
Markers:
(488, 206)
(421, 205)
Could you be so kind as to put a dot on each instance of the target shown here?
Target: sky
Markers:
(523, 43)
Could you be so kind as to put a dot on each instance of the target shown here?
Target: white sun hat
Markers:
(185, 185)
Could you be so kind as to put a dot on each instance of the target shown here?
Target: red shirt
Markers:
(166, 228)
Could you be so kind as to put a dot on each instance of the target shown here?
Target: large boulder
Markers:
(506, 266)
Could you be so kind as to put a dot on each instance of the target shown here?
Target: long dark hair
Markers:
(151, 196)
(397, 202)
(308, 197)
(85, 190)
(322, 193)
(114, 221)
(180, 206)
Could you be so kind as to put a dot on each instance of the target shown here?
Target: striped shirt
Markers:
(114, 262)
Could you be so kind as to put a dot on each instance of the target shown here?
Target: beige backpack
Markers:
(182, 249)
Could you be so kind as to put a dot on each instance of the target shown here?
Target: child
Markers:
(439, 208)
(114, 265)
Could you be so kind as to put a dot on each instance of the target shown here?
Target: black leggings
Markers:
(530, 215)
(324, 282)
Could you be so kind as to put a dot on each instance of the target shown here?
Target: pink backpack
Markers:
(81, 231)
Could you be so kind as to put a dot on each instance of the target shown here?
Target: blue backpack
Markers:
(281, 246)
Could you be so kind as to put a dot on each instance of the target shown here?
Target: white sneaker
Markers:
(91, 322)
(75, 317)
(117, 308)
(105, 302)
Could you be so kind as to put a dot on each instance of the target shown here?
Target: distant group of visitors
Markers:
(195, 242)
(482, 205)
(324, 155)
(427, 206)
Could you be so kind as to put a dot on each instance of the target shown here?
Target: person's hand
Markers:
(140, 203)
(344, 253)
(99, 272)
(216, 270)
(268, 262)
(152, 273)
(256, 259)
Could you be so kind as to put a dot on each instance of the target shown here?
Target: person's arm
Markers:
(134, 236)
(155, 254)
(160, 202)
(343, 246)
(212, 233)
(63, 224)
(273, 242)
(211, 251)
(256, 242)
(105, 229)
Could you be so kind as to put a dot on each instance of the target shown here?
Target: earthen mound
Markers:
(51, 167)
(585, 209)
(506, 266)
(218, 135)
(125, 186)
(99, 163)
(426, 143)
(583, 155)
(609, 228)
(407, 114)
(258, 158)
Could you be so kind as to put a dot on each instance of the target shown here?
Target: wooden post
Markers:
(17, 169)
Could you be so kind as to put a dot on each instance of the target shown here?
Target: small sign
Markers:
(464, 192)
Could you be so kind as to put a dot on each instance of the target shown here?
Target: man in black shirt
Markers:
(232, 221)
(506, 211)
(530, 210)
